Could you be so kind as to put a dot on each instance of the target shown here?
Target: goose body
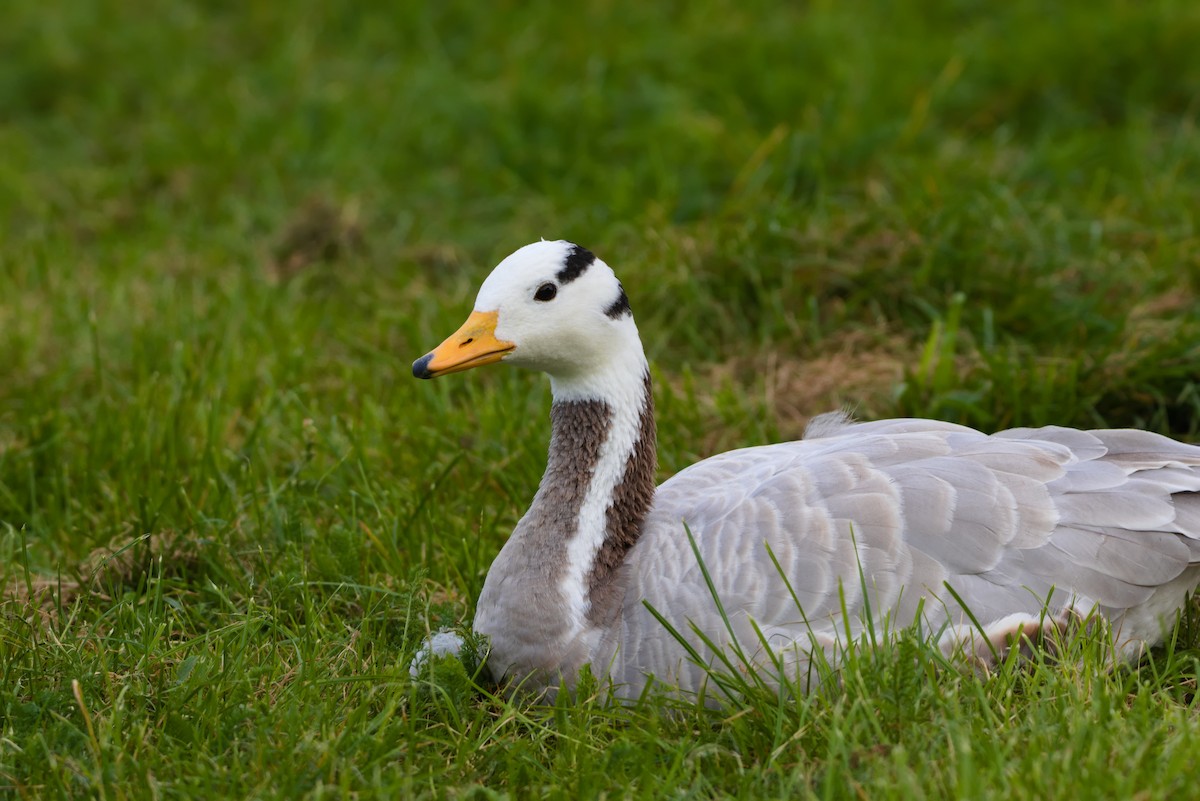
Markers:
(859, 526)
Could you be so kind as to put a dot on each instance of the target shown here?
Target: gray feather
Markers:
(885, 514)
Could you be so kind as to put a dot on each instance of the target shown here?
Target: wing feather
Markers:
(884, 515)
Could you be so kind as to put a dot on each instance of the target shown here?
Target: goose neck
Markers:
(606, 448)
(557, 586)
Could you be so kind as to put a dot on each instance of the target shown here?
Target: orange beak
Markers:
(472, 345)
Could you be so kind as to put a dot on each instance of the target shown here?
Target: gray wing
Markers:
(877, 518)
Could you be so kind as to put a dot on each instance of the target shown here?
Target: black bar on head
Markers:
(620, 306)
(577, 261)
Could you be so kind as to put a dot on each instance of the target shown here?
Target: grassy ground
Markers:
(228, 515)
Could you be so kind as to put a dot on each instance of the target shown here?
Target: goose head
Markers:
(553, 307)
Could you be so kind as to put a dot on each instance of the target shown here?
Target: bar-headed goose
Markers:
(869, 523)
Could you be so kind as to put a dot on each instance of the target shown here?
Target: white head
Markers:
(554, 307)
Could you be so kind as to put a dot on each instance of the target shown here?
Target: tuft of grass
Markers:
(229, 517)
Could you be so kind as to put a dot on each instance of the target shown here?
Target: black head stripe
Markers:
(620, 306)
(577, 261)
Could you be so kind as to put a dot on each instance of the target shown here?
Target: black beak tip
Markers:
(421, 366)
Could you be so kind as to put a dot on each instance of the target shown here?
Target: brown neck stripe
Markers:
(631, 502)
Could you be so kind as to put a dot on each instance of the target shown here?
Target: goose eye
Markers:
(546, 292)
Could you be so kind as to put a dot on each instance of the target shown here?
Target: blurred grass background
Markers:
(228, 229)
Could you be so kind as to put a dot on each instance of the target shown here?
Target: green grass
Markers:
(226, 233)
